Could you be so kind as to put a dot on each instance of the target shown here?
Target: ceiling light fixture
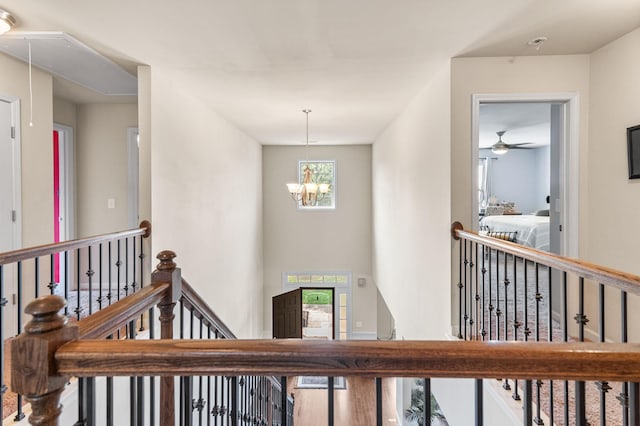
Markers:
(308, 192)
(7, 21)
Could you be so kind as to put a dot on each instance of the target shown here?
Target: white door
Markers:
(8, 213)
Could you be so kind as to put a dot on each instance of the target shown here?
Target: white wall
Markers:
(101, 166)
(206, 178)
(327, 240)
(412, 217)
(614, 200)
(37, 148)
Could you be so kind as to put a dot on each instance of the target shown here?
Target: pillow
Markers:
(544, 212)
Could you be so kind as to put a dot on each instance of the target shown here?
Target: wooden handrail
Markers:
(28, 253)
(603, 275)
(203, 311)
(103, 323)
(472, 359)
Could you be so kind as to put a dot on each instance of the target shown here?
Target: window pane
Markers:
(321, 172)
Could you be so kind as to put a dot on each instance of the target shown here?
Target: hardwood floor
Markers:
(353, 406)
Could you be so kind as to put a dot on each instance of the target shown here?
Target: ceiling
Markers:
(525, 122)
(355, 63)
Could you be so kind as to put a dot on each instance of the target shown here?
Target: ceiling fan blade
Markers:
(518, 144)
(521, 147)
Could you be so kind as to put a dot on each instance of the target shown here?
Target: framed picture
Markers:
(633, 151)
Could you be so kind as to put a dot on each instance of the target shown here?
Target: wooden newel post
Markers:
(167, 272)
(33, 367)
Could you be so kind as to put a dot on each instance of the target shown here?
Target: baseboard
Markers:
(364, 335)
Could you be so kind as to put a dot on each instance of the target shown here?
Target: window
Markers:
(323, 172)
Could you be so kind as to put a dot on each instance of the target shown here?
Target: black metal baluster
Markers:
(36, 265)
(91, 401)
(550, 339)
(100, 277)
(200, 385)
(634, 403)
(66, 282)
(208, 385)
(477, 298)
(460, 319)
(232, 401)
(624, 394)
(19, 415)
(126, 266)
(109, 273)
(498, 311)
(528, 409)
(538, 296)
(506, 385)
(134, 411)
(134, 284)
(118, 266)
(465, 284)
(603, 386)
(81, 402)
(490, 298)
(90, 277)
(215, 411)
(483, 303)
(52, 276)
(581, 319)
(110, 406)
(378, 381)
(479, 405)
(516, 324)
(78, 308)
(330, 392)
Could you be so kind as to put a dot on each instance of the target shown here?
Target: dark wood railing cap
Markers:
(456, 226)
(147, 226)
(45, 314)
(166, 260)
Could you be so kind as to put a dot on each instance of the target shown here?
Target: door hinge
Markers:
(13, 132)
(13, 299)
(13, 216)
(560, 228)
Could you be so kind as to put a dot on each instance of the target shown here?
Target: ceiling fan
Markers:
(501, 147)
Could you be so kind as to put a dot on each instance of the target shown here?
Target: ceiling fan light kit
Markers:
(502, 147)
(7, 21)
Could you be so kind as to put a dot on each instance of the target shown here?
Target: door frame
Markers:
(17, 167)
(10, 287)
(337, 289)
(133, 154)
(68, 177)
(569, 157)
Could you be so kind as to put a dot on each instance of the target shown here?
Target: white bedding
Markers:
(533, 231)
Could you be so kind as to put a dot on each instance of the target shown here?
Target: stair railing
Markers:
(509, 292)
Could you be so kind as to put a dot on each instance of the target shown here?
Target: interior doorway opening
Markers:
(318, 313)
(560, 130)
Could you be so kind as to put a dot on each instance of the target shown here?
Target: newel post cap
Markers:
(45, 312)
(166, 260)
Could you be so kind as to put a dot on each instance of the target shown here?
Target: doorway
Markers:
(562, 174)
(63, 201)
(10, 206)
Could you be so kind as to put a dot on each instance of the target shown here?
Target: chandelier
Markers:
(308, 192)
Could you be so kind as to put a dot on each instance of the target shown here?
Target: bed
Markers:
(532, 231)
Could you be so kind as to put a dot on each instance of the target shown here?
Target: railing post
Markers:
(167, 272)
(33, 371)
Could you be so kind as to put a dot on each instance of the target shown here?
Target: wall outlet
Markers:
(358, 324)
(111, 203)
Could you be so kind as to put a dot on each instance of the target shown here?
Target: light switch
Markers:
(111, 203)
